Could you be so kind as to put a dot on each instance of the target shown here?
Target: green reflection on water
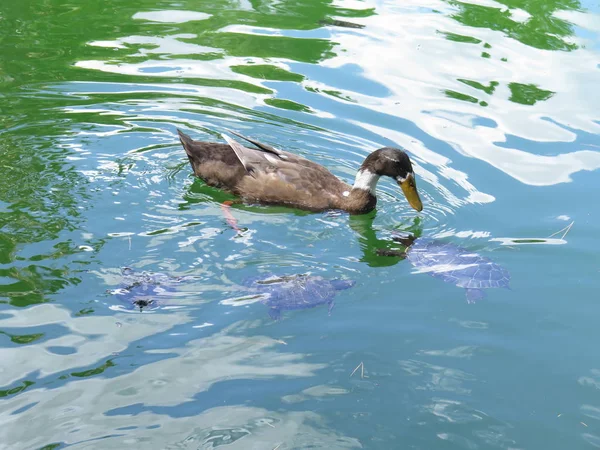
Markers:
(33, 35)
(304, 50)
(95, 371)
(287, 104)
(267, 72)
(487, 89)
(50, 446)
(540, 30)
(370, 243)
(458, 96)
(460, 38)
(33, 284)
(16, 390)
(23, 338)
(43, 193)
(528, 94)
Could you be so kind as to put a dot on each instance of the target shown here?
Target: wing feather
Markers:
(285, 177)
(265, 147)
(245, 155)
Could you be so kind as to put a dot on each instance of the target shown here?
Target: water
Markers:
(497, 103)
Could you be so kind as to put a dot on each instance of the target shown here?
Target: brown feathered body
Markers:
(269, 176)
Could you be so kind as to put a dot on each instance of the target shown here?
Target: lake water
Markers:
(496, 101)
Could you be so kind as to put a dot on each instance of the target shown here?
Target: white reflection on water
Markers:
(587, 19)
(592, 380)
(171, 16)
(184, 68)
(419, 64)
(437, 378)
(320, 392)
(464, 351)
(172, 381)
(442, 164)
(458, 440)
(94, 337)
(453, 411)
(238, 427)
(157, 45)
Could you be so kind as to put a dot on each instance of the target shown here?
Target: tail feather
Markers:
(186, 141)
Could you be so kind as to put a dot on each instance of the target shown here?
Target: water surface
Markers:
(497, 103)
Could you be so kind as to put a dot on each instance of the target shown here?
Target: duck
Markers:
(269, 176)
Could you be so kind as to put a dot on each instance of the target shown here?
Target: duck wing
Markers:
(283, 177)
(251, 159)
(265, 147)
(266, 158)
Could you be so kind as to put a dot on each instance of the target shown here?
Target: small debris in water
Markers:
(565, 229)
(362, 370)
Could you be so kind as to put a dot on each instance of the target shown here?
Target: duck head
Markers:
(389, 162)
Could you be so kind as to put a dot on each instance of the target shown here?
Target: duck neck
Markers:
(366, 181)
(361, 199)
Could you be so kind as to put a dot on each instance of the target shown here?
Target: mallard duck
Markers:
(270, 176)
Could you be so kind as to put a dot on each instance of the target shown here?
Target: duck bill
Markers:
(409, 187)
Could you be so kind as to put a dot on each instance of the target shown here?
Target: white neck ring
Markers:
(366, 181)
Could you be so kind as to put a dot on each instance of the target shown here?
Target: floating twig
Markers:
(565, 229)
(362, 370)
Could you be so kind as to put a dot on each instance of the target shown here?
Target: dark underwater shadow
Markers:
(370, 244)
